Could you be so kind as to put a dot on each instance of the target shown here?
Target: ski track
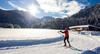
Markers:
(81, 44)
(89, 45)
(10, 43)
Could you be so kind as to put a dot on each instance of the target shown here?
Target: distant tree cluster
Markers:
(9, 25)
(60, 23)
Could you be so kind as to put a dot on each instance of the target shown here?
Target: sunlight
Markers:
(33, 9)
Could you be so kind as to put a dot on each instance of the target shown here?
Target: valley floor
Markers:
(81, 44)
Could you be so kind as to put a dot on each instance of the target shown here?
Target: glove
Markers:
(60, 31)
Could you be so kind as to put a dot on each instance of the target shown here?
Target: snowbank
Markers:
(10, 43)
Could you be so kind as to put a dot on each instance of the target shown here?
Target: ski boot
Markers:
(70, 46)
(65, 45)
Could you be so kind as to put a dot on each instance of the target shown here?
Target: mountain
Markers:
(89, 15)
(11, 17)
(28, 18)
(22, 18)
(47, 18)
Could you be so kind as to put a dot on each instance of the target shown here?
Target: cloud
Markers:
(60, 6)
(3, 8)
(19, 8)
(74, 7)
(49, 5)
(64, 16)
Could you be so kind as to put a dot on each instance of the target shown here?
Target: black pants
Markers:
(67, 40)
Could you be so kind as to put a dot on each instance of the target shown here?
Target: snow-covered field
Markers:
(47, 41)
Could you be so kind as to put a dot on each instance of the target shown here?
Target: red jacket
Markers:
(66, 33)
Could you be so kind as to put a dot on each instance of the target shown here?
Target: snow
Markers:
(47, 41)
(84, 26)
(23, 34)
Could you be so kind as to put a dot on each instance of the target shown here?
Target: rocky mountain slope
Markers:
(11, 17)
(20, 18)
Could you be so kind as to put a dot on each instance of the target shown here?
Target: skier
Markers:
(66, 37)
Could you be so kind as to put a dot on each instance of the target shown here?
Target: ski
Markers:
(67, 46)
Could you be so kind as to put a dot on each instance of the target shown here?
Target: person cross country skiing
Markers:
(66, 37)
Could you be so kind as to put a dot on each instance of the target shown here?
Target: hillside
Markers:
(28, 18)
(21, 18)
(10, 17)
(89, 15)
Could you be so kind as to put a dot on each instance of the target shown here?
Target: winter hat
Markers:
(65, 28)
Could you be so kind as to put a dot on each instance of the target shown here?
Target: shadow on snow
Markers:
(94, 51)
(10, 43)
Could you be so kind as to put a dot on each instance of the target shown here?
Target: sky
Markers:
(54, 8)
